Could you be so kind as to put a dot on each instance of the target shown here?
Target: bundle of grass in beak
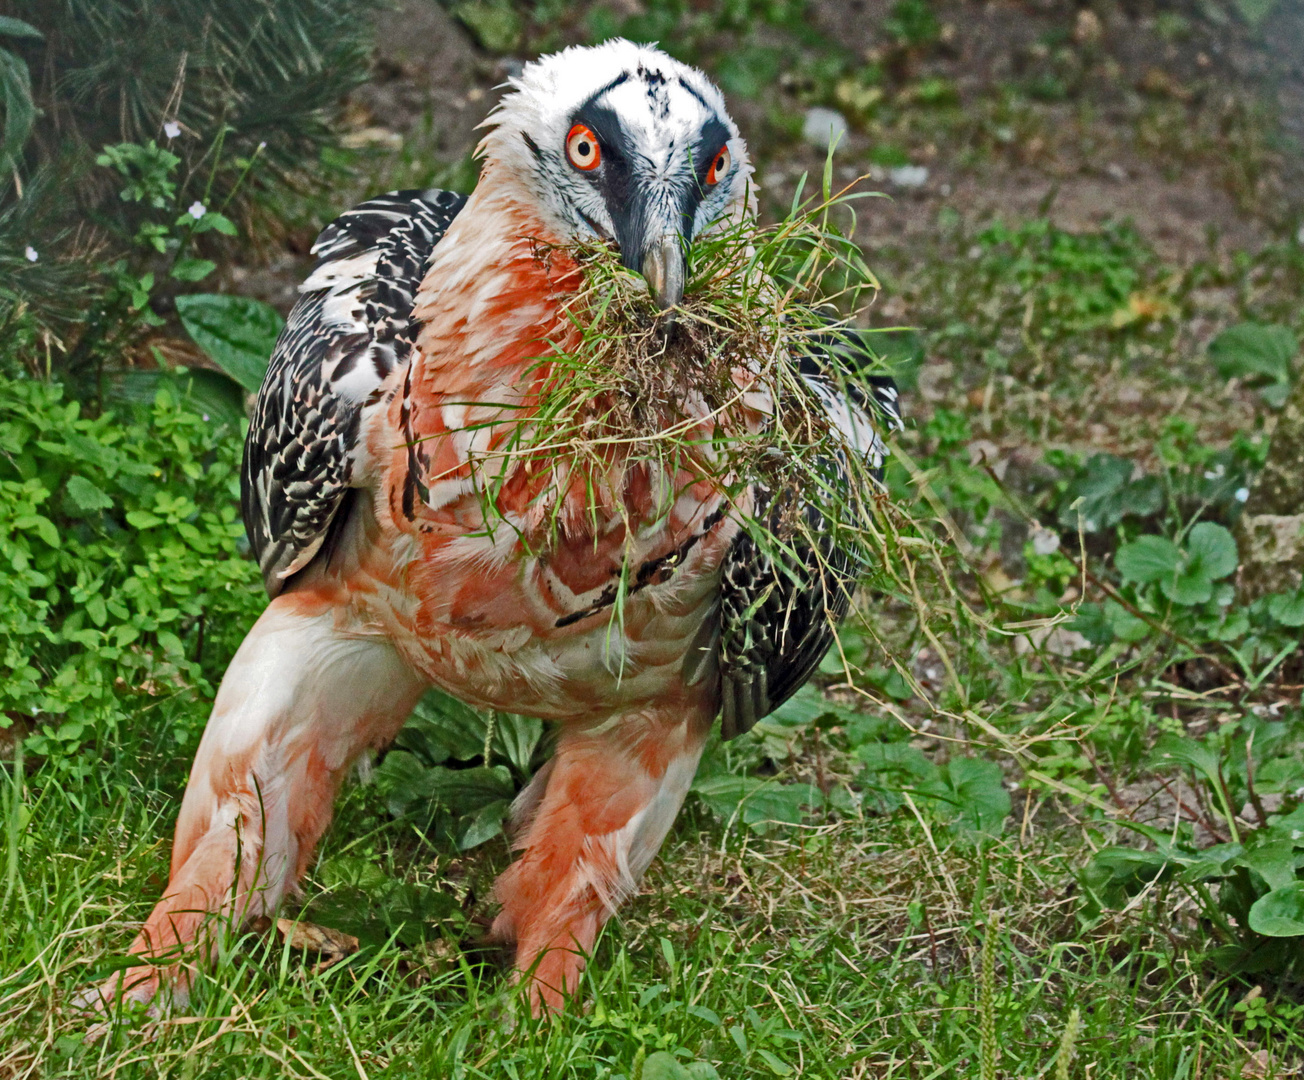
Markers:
(740, 384)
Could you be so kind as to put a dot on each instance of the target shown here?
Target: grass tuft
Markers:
(706, 393)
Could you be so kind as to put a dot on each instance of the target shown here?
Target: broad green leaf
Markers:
(214, 221)
(1211, 863)
(441, 727)
(86, 496)
(516, 738)
(777, 1065)
(898, 757)
(1274, 862)
(1213, 548)
(804, 707)
(1126, 626)
(1287, 608)
(485, 825)
(757, 802)
(1209, 554)
(1275, 394)
(1250, 349)
(1148, 559)
(41, 525)
(1105, 493)
(19, 109)
(1092, 623)
(889, 682)
(703, 1013)
(237, 333)
(1179, 750)
(1279, 776)
(215, 396)
(665, 1066)
(981, 798)
(1289, 827)
(1280, 913)
(1118, 871)
(10, 27)
(495, 23)
(1259, 353)
(1188, 587)
(193, 270)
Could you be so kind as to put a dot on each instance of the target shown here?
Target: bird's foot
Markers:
(135, 993)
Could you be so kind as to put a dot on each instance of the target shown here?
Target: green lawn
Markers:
(844, 948)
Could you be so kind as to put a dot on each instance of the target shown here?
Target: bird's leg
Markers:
(302, 697)
(609, 798)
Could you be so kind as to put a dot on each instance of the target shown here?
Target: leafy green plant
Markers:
(237, 333)
(1244, 875)
(1187, 573)
(965, 794)
(1260, 354)
(1105, 490)
(495, 24)
(431, 774)
(1254, 12)
(912, 24)
(177, 100)
(125, 583)
(1079, 281)
(148, 171)
(663, 1065)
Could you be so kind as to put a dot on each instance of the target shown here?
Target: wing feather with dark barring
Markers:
(782, 599)
(351, 327)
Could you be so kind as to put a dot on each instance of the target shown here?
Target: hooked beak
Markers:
(664, 268)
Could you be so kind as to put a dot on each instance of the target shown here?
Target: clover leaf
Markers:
(1258, 353)
(1185, 575)
(1105, 492)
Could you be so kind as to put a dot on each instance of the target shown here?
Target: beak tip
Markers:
(663, 268)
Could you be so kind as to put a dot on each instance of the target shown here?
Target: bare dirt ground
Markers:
(1165, 121)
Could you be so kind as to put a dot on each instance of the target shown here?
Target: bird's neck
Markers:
(491, 298)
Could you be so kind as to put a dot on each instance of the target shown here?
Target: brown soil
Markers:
(1154, 86)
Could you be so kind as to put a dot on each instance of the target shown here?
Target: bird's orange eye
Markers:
(582, 148)
(720, 166)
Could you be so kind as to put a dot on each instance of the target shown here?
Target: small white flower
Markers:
(205, 416)
(262, 145)
(1242, 494)
(31, 253)
(197, 210)
(1045, 541)
(171, 129)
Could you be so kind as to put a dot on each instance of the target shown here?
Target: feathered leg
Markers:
(609, 798)
(302, 697)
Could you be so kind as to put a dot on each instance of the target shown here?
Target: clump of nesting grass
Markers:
(713, 390)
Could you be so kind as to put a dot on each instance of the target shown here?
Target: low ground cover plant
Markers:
(125, 582)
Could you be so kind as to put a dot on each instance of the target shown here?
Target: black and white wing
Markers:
(350, 328)
(780, 603)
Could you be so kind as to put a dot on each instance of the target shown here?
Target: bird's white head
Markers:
(620, 141)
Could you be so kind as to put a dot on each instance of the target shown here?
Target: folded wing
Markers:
(351, 327)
